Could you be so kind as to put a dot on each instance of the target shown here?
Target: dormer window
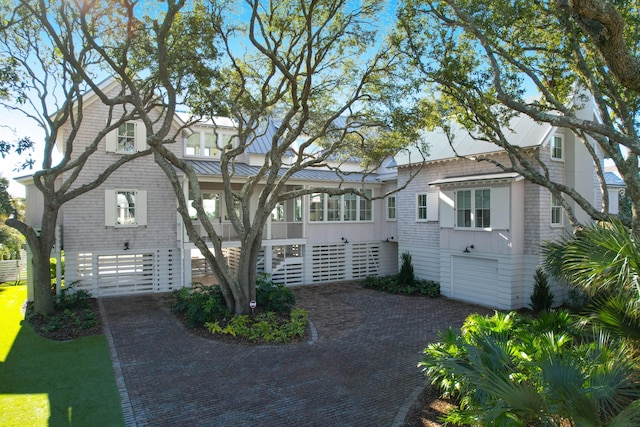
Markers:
(205, 143)
(557, 147)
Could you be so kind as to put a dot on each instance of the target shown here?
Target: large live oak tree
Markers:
(479, 61)
(53, 53)
(317, 68)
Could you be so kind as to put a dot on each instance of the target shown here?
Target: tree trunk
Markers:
(42, 298)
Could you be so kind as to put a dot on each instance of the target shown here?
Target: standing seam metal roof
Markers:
(212, 168)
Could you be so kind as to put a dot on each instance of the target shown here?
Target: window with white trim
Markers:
(333, 207)
(316, 207)
(556, 211)
(557, 147)
(473, 208)
(350, 207)
(128, 138)
(483, 208)
(206, 143)
(391, 208)
(340, 208)
(125, 208)
(421, 207)
(366, 206)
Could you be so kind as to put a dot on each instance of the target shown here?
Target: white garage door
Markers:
(475, 280)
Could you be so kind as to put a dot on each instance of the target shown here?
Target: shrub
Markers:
(200, 304)
(428, 288)
(390, 285)
(274, 296)
(384, 284)
(265, 327)
(498, 365)
(406, 277)
(541, 298)
(71, 298)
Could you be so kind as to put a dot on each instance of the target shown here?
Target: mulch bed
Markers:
(68, 331)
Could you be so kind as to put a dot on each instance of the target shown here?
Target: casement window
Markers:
(557, 147)
(556, 211)
(129, 138)
(421, 207)
(391, 208)
(125, 208)
(334, 208)
(210, 204)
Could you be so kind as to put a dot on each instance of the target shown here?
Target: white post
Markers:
(58, 260)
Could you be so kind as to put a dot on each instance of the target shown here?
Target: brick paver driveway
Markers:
(359, 371)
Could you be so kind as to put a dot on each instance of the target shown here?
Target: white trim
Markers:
(552, 206)
(562, 147)
(484, 179)
(395, 208)
(419, 207)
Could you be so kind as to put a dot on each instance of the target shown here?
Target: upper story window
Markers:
(421, 207)
(557, 147)
(391, 208)
(347, 207)
(125, 208)
(556, 211)
(205, 143)
(473, 208)
(128, 138)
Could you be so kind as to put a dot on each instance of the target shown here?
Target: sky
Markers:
(13, 126)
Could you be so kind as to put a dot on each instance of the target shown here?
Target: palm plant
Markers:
(602, 260)
(601, 257)
(509, 370)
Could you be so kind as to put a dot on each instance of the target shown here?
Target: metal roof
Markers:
(523, 131)
(613, 180)
(212, 168)
(468, 179)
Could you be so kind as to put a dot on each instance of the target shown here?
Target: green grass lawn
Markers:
(44, 382)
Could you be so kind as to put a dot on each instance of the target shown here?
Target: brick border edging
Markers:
(403, 411)
(125, 402)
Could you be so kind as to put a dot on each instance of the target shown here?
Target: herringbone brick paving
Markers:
(361, 370)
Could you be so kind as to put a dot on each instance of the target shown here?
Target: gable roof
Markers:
(613, 180)
(523, 132)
